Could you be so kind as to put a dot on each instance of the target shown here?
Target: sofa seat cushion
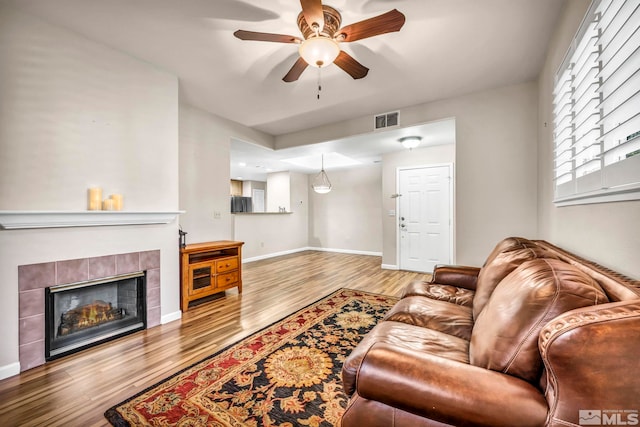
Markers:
(505, 334)
(436, 291)
(498, 267)
(405, 336)
(452, 319)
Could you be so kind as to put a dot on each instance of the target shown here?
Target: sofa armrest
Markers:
(448, 391)
(591, 358)
(456, 275)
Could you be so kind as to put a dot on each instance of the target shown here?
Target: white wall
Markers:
(495, 167)
(496, 163)
(74, 114)
(348, 218)
(279, 195)
(274, 233)
(205, 142)
(606, 232)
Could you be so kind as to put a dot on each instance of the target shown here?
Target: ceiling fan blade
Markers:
(266, 37)
(295, 71)
(350, 65)
(312, 11)
(385, 23)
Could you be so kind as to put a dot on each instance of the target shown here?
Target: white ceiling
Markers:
(446, 48)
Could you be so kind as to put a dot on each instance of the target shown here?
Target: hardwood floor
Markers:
(77, 389)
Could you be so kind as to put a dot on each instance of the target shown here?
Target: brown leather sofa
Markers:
(536, 337)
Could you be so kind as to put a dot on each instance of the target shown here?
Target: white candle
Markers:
(107, 205)
(117, 201)
(95, 198)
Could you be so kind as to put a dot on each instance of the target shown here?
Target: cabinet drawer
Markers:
(226, 264)
(227, 279)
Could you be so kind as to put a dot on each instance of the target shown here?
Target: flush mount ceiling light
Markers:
(410, 141)
(321, 183)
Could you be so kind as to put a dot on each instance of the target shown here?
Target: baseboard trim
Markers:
(176, 315)
(9, 370)
(310, 248)
(346, 251)
(273, 255)
(389, 267)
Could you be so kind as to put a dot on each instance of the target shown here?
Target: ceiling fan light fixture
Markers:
(410, 141)
(319, 51)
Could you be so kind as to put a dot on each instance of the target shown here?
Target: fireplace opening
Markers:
(80, 315)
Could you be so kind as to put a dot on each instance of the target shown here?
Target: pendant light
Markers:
(321, 183)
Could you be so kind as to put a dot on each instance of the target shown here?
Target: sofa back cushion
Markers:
(501, 265)
(508, 244)
(505, 335)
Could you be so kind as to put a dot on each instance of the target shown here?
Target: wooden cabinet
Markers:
(209, 268)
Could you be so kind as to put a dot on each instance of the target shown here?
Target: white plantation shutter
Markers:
(597, 108)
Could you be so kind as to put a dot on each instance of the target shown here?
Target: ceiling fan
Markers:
(321, 31)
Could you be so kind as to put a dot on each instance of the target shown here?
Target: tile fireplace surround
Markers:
(34, 278)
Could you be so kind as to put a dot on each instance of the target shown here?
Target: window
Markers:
(596, 111)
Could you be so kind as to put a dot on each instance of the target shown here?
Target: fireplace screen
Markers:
(80, 315)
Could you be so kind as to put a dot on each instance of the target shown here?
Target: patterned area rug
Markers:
(288, 374)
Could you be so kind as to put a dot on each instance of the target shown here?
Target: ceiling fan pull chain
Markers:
(319, 82)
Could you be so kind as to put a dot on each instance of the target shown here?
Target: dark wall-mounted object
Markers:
(183, 238)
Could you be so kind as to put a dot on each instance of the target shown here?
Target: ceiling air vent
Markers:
(386, 120)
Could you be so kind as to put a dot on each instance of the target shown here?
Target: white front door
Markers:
(425, 217)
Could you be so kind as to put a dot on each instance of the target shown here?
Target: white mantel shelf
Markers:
(18, 220)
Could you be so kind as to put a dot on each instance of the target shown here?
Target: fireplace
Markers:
(79, 315)
(34, 279)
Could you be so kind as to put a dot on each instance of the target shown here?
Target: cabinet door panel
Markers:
(200, 278)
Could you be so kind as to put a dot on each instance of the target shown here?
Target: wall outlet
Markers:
(217, 215)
